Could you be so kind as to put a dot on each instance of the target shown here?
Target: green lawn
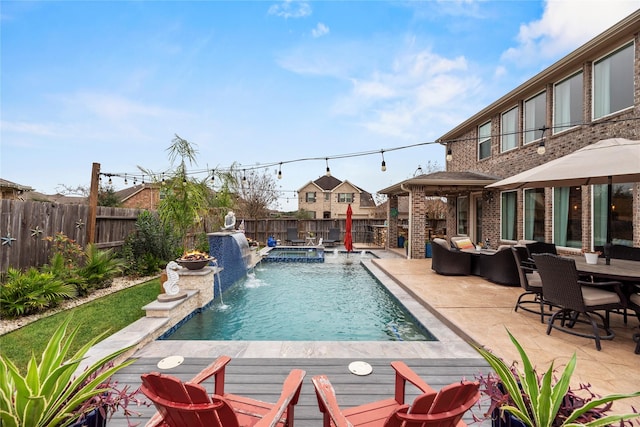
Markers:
(112, 312)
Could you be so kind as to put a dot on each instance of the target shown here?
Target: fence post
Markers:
(93, 204)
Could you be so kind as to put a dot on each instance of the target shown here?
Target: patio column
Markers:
(392, 221)
(417, 222)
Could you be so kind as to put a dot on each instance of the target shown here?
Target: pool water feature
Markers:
(305, 302)
(295, 254)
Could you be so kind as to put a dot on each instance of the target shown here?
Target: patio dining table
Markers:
(620, 269)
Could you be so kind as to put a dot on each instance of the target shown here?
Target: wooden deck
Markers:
(262, 378)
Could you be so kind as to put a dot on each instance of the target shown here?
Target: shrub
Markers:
(150, 247)
(31, 292)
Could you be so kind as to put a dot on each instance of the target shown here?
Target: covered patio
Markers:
(449, 185)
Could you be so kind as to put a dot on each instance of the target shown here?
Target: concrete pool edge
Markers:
(449, 344)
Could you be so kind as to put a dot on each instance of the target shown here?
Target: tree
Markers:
(107, 196)
(256, 191)
(186, 199)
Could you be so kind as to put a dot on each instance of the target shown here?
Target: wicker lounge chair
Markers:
(292, 237)
(450, 262)
(334, 237)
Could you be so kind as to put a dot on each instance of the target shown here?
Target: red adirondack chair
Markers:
(187, 404)
(443, 408)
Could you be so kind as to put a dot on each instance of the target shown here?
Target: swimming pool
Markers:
(334, 301)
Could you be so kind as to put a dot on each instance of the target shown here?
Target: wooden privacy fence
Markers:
(25, 224)
(261, 229)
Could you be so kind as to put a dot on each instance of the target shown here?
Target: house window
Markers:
(310, 197)
(613, 82)
(567, 103)
(534, 214)
(345, 197)
(508, 130)
(567, 217)
(327, 196)
(621, 214)
(484, 141)
(535, 117)
(508, 215)
(463, 216)
(326, 214)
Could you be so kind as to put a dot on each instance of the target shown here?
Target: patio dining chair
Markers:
(444, 408)
(577, 300)
(531, 284)
(182, 404)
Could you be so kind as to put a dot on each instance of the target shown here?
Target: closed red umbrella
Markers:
(348, 242)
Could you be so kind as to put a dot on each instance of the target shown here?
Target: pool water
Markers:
(305, 302)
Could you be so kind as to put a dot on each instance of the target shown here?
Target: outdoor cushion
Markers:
(464, 244)
(594, 296)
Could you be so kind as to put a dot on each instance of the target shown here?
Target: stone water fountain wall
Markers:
(232, 252)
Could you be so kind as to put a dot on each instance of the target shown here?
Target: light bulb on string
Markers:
(449, 155)
(125, 180)
(280, 171)
(541, 148)
(383, 166)
(328, 170)
(110, 182)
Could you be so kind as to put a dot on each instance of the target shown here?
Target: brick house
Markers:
(141, 196)
(327, 197)
(589, 95)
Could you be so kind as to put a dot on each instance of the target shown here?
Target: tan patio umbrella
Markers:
(615, 160)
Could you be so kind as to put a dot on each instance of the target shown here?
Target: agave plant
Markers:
(537, 402)
(51, 392)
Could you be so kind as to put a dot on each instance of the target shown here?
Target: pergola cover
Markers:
(442, 183)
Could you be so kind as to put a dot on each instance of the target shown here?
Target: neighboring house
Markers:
(141, 196)
(12, 191)
(591, 94)
(327, 197)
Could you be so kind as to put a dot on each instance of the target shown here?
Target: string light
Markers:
(213, 175)
(541, 148)
(448, 143)
(383, 166)
(244, 176)
(125, 179)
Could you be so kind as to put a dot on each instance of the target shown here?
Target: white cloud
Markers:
(290, 9)
(418, 89)
(564, 26)
(320, 30)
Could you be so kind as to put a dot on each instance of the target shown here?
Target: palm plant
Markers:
(100, 266)
(536, 402)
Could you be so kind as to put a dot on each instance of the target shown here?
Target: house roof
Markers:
(327, 183)
(12, 185)
(442, 183)
(129, 192)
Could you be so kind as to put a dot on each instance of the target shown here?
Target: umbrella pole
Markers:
(607, 244)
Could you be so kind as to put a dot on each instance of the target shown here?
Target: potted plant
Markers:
(591, 256)
(53, 393)
(545, 401)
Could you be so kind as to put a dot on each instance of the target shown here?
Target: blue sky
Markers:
(264, 82)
